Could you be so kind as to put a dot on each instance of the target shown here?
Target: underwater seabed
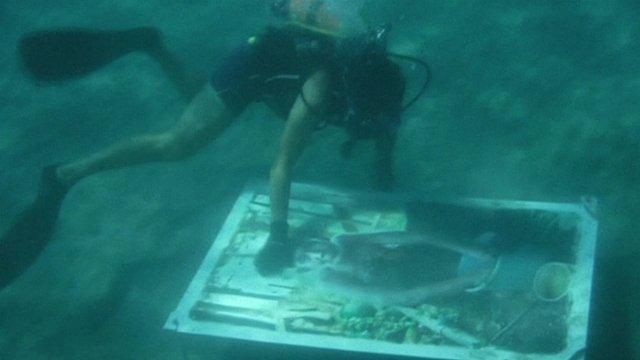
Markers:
(402, 275)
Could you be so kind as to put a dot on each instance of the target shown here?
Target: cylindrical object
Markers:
(552, 281)
(513, 271)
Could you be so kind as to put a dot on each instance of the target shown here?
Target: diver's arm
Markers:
(383, 163)
(300, 125)
(279, 250)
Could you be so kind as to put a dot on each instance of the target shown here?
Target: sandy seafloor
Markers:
(529, 100)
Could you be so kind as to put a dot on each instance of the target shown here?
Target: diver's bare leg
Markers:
(205, 118)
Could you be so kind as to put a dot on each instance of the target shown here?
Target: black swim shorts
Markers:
(266, 68)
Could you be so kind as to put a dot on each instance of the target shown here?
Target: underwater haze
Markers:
(533, 100)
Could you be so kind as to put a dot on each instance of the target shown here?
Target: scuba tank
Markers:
(370, 83)
(373, 86)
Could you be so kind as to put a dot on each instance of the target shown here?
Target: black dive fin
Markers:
(54, 55)
(29, 235)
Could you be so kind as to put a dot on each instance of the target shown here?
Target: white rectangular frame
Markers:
(580, 290)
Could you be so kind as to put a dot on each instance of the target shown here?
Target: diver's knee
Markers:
(171, 148)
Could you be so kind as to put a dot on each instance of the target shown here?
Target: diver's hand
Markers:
(278, 253)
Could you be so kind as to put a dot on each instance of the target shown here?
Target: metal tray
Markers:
(402, 275)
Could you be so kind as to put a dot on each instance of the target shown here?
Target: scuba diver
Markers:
(319, 67)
